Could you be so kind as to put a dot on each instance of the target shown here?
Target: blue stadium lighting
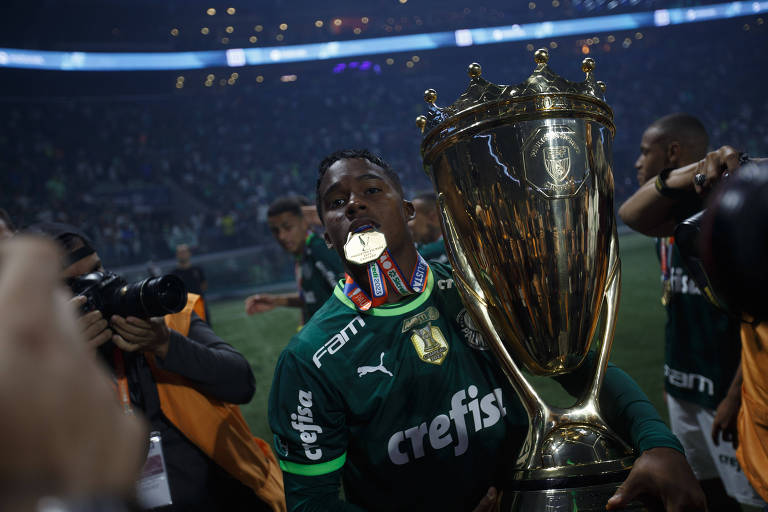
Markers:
(236, 57)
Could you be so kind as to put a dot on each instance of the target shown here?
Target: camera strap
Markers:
(78, 254)
(122, 381)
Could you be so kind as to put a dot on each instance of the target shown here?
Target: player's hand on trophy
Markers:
(260, 303)
(661, 474)
(63, 433)
(489, 502)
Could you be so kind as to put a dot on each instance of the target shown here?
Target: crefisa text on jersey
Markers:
(486, 412)
(305, 425)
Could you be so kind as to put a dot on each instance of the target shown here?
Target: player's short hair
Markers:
(342, 154)
(291, 204)
(7, 219)
(686, 129)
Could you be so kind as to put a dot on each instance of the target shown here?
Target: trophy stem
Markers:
(611, 303)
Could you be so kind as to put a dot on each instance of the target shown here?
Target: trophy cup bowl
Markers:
(525, 187)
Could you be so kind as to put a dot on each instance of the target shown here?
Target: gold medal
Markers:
(666, 294)
(364, 247)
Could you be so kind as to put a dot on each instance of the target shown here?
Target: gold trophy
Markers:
(525, 186)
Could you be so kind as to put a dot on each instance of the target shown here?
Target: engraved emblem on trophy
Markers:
(524, 181)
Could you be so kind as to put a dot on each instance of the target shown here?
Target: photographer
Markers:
(184, 379)
(733, 247)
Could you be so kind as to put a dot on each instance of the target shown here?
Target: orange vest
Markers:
(217, 428)
(753, 415)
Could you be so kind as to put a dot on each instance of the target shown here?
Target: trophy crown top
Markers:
(421, 122)
(541, 56)
(543, 94)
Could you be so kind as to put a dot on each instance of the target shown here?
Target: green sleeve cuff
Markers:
(628, 411)
(322, 468)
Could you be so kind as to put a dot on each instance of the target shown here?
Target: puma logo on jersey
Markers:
(409, 444)
(365, 370)
(338, 340)
(305, 425)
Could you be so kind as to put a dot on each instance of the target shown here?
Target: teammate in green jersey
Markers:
(390, 387)
(425, 227)
(701, 350)
(317, 267)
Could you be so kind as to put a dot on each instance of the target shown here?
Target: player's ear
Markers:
(673, 153)
(327, 239)
(410, 211)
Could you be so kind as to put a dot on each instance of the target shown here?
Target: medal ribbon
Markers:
(387, 267)
(666, 257)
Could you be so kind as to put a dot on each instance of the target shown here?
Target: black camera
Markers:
(113, 295)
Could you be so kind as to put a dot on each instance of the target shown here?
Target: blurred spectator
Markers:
(192, 275)
(425, 227)
(154, 169)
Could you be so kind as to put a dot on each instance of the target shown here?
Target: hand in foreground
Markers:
(489, 502)
(137, 335)
(662, 474)
(63, 433)
(259, 303)
(93, 325)
(726, 419)
(717, 163)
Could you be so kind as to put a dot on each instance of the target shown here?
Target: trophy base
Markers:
(589, 498)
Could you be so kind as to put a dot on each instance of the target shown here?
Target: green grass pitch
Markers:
(638, 345)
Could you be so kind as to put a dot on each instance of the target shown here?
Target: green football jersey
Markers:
(407, 405)
(405, 398)
(702, 344)
(434, 251)
(318, 269)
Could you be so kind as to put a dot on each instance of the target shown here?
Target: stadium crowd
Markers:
(145, 173)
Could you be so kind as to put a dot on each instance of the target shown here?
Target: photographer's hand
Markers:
(92, 325)
(63, 433)
(134, 334)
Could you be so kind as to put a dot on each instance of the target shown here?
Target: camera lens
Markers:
(162, 295)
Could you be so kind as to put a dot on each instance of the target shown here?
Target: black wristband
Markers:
(663, 189)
